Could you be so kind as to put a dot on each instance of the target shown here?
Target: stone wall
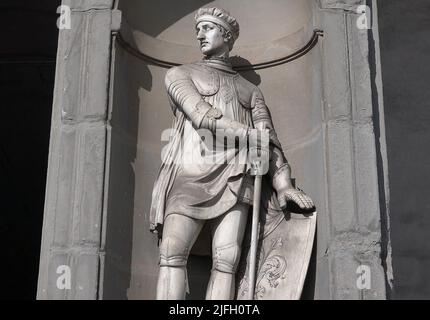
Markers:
(405, 46)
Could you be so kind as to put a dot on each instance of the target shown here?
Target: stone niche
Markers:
(110, 109)
(139, 112)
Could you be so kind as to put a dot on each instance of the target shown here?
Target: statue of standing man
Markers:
(209, 96)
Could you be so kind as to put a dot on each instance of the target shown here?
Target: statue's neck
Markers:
(224, 56)
(220, 63)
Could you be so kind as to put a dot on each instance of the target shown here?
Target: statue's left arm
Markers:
(279, 169)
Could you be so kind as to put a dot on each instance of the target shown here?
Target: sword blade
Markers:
(254, 237)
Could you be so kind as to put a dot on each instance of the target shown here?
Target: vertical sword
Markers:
(259, 159)
(254, 236)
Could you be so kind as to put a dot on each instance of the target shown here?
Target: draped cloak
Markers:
(191, 184)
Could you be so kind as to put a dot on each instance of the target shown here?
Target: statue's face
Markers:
(211, 39)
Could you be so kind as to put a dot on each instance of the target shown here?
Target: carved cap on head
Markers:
(220, 17)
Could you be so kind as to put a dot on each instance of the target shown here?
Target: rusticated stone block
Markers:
(86, 282)
(72, 274)
(84, 5)
(337, 90)
(340, 175)
(89, 188)
(83, 66)
(360, 71)
(63, 206)
(59, 277)
(366, 178)
(356, 266)
(346, 5)
(80, 184)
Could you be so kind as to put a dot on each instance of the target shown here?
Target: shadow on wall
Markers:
(121, 200)
(251, 75)
(405, 47)
(156, 16)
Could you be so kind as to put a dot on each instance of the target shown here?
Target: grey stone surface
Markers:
(85, 59)
(75, 184)
(86, 5)
(405, 56)
(346, 5)
(352, 173)
(84, 266)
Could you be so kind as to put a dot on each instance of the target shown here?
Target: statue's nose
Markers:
(200, 36)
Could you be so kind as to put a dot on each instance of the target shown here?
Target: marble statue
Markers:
(209, 96)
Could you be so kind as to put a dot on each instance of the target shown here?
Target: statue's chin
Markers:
(211, 52)
(205, 52)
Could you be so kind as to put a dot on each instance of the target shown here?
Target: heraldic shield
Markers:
(283, 255)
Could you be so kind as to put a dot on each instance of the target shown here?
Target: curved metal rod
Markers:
(263, 65)
(142, 56)
(291, 57)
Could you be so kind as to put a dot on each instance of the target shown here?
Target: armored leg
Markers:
(179, 234)
(228, 233)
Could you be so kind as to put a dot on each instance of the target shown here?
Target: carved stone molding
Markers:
(72, 229)
(345, 5)
(354, 224)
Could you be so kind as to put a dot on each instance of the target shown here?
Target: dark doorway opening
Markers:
(27, 71)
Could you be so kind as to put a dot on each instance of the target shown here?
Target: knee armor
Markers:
(226, 258)
(173, 252)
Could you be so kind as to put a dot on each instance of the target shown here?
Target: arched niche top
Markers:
(166, 31)
(173, 21)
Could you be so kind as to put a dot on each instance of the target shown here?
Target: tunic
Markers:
(212, 177)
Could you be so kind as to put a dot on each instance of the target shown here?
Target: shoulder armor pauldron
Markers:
(205, 79)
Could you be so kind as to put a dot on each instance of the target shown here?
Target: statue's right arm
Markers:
(187, 98)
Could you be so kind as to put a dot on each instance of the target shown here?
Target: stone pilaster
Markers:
(72, 228)
(353, 199)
